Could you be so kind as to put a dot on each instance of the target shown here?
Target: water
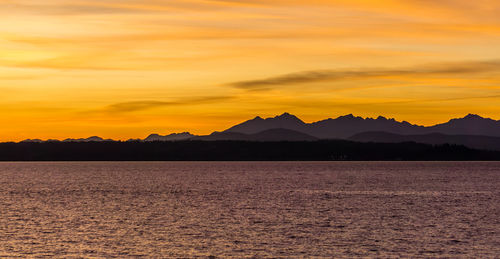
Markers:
(250, 209)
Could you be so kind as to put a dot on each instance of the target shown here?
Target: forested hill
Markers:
(323, 150)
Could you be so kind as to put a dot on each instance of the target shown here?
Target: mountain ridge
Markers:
(271, 135)
(346, 126)
(342, 127)
(170, 137)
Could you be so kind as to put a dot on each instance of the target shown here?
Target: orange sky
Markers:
(126, 68)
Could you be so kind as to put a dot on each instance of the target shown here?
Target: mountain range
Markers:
(346, 126)
(472, 131)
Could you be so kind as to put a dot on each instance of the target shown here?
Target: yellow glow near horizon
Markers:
(125, 68)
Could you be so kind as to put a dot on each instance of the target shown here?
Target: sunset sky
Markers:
(126, 68)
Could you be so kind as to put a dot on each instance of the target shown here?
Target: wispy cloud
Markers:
(105, 7)
(21, 77)
(418, 105)
(445, 99)
(81, 7)
(457, 69)
(152, 104)
(68, 9)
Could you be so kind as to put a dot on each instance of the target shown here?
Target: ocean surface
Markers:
(250, 209)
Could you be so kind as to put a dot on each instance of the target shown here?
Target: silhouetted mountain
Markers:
(222, 136)
(90, 139)
(171, 137)
(471, 124)
(282, 135)
(345, 126)
(32, 141)
(471, 141)
(271, 135)
(287, 127)
(284, 121)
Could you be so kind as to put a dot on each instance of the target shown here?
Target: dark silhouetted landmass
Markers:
(289, 127)
(469, 125)
(258, 124)
(286, 137)
(266, 135)
(90, 139)
(471, 141)
(32, 141)
(171, 137)
(323, 150)
(344, 127)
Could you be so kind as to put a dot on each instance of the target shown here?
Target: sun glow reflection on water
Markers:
(244, 209)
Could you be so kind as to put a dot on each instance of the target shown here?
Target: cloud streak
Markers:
(21, 77)
(83, 7)
(457, 69)
(134, 106)
(106, 7)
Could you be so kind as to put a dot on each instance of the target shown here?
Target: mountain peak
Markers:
(468, 118)
(473, 116)
(348, 116)
(288, 116)
(285, 120)
(170, 137)
(89, 139)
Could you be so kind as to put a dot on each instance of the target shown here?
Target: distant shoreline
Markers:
(322, 150)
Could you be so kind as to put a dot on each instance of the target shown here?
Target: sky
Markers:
(126, 68)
